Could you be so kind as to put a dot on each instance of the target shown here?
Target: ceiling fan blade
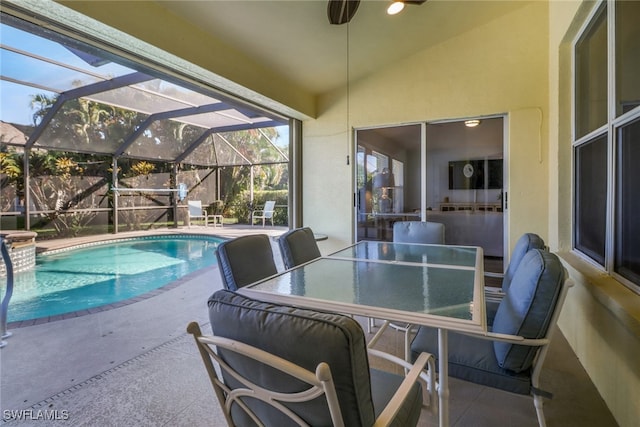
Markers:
(341, 11)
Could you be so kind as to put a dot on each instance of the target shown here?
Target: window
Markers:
(591, 198)
(607, 141)
(627, 253)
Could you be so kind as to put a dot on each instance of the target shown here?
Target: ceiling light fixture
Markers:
(395, 7)
(471, 123)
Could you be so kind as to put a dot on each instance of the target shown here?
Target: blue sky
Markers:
(15, 98)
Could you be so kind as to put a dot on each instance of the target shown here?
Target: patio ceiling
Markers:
(65, 95)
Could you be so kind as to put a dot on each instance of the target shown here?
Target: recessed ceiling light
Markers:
(395, 7)
(471, 123)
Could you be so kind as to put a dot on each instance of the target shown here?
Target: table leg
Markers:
(443, 377)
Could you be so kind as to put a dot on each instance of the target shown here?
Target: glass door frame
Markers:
(356, 190)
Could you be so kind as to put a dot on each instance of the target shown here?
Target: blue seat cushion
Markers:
(307, 337)
(472, 359)
(525, 243)
(527, 308)
(418, 232)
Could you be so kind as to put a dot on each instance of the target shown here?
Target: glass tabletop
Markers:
(408, 288)
(462, 256)
(434, 285)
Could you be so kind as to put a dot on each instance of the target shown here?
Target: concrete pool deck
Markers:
(135, 365)
(42, 359)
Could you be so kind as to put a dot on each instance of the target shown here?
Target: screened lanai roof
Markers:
(63, 94)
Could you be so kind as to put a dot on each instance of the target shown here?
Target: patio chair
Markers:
(511, 355)
(298, 246)
(525, 243)
(217, 208)
(244, 260)
(411, 232)
(197, 212)
(285, 366)
(266, 213)
(494, 295)
(418, 232)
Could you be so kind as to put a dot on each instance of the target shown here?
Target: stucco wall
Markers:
(500, 67)
(601, 318)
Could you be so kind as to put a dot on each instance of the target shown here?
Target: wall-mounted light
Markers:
(471, 123)
(395, 7)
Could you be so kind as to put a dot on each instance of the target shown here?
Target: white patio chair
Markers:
(265, 213)
(196, 212)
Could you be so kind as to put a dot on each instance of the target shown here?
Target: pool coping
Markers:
(59, 245)
(78, 313)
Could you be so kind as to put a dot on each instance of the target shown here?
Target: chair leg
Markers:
(371, 324)
(407, 343)
(538, 402)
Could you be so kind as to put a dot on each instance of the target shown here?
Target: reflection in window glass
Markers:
(627, 253)
(627, 56)
(591, 77)
(591, 198)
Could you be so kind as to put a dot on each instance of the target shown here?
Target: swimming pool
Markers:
(102, 273)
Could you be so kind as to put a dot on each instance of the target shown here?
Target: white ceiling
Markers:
(295, 39)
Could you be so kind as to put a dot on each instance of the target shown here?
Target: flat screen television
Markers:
(475, 174)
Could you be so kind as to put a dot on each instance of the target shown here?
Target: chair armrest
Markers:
(415, 372)
(513, 339)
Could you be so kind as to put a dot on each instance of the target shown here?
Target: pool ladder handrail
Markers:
(4, 306)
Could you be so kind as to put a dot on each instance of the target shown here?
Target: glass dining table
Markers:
(439, 286)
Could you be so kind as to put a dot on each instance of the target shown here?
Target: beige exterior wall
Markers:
(497, 68)
(601, 318)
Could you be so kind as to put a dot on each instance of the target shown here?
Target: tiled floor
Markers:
(135, 366)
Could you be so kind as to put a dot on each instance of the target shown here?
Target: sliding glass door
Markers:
(449, 172)
(388, 184)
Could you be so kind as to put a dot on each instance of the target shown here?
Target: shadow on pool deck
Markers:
(135, 365)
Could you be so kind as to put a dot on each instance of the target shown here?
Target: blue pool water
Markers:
(98, 274)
